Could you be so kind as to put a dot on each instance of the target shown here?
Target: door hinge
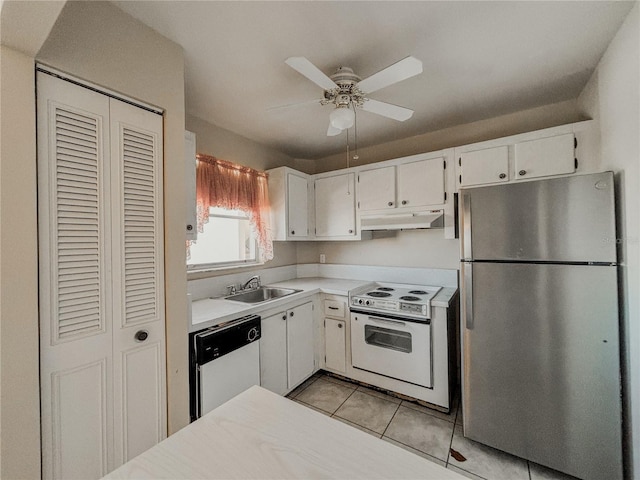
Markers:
(575, 142)
(445, 196)
(445, 164)
(460, 178)
(576, 162)
(358, 178)
(460, 161)
(358, 204)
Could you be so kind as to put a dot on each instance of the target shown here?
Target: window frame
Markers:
(202, 267)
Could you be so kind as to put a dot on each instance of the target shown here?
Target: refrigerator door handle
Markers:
(466, 227)
(468, 295)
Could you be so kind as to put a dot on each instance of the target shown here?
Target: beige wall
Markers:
(612, 98)
(19, 381)
(98, 42)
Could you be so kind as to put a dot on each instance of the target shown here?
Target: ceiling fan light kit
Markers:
(342, 117)
(346, 91)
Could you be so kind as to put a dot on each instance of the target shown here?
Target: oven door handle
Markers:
(386, 320)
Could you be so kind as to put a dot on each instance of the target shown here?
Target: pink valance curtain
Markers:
(224, 184)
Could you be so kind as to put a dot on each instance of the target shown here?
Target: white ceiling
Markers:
(481, 59)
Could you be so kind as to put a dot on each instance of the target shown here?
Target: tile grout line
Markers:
(392, 417)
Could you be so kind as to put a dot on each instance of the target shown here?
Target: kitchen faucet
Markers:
(255, 278)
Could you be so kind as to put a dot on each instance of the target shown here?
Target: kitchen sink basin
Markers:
(261, 294)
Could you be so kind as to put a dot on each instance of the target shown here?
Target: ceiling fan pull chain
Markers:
(355, 132)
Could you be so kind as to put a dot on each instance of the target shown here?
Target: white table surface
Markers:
(260, 435)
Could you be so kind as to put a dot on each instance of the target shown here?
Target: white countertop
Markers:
(209, 312)
(260, 435)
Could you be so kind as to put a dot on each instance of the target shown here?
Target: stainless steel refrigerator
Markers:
(540, 340)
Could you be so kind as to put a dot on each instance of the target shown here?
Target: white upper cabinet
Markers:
(298, 206)
(335, 206)
(190, 177)
(488, 165)
(542, 153)
(289, 199)
(421, 183)
(408, 185)
(377, 188)
(544, 157)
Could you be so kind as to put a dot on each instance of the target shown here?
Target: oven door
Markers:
(392, 347)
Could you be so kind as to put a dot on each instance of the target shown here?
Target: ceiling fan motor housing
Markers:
(347, 91)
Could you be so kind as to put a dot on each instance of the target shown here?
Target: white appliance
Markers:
(225, 361)
(391, 332)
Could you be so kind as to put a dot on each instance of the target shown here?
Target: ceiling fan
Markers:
(346, 90)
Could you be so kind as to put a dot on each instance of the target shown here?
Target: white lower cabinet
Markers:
(335, 343)
(287, 348)
(335, 333)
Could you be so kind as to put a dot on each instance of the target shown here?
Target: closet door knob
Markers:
(141, 335)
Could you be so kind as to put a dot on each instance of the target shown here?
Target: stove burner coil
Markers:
(417, 292)
(385, 289)
(378, 294)
(409, 298)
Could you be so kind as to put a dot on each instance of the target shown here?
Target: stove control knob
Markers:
(367, 302)
(360, 301)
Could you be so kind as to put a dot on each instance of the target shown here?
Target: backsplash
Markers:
(217, 286)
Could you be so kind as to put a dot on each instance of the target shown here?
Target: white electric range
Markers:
(391, 331)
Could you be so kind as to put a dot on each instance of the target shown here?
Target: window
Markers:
(233, 216)
(228, 239)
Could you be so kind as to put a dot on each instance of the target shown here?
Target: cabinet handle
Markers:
(284, 317)
(404, 202)
(339, 325)
(189, 228)
(503, 175)
(291, 314)
(333, 308)
(390, 204)
(141, 335)
(522, 172)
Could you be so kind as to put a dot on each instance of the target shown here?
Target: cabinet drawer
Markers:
(334, 308)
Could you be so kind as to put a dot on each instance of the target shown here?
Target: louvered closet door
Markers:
(75, 284)
(102, 330)
(138, 316)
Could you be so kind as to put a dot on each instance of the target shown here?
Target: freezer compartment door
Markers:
(566, 219)
(541, 369)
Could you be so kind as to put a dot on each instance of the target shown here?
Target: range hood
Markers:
(403, 221)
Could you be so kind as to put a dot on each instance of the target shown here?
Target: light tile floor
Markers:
(418, 429)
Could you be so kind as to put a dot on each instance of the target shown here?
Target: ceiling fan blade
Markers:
(387, 110)
(333, 131)
(293, 105)
(405, 68)
(309, 70)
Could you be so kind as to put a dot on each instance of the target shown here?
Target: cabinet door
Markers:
(300, 343)
(421, 183)
(335, 206)
(335, 344)
(273, 353)
(544, 157)
(377, 189)
(297, 206)
(190, 172)
(490, 165)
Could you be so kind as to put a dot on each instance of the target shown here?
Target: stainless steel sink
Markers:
(262, 294)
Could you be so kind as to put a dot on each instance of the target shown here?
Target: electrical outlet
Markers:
(323, 259)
